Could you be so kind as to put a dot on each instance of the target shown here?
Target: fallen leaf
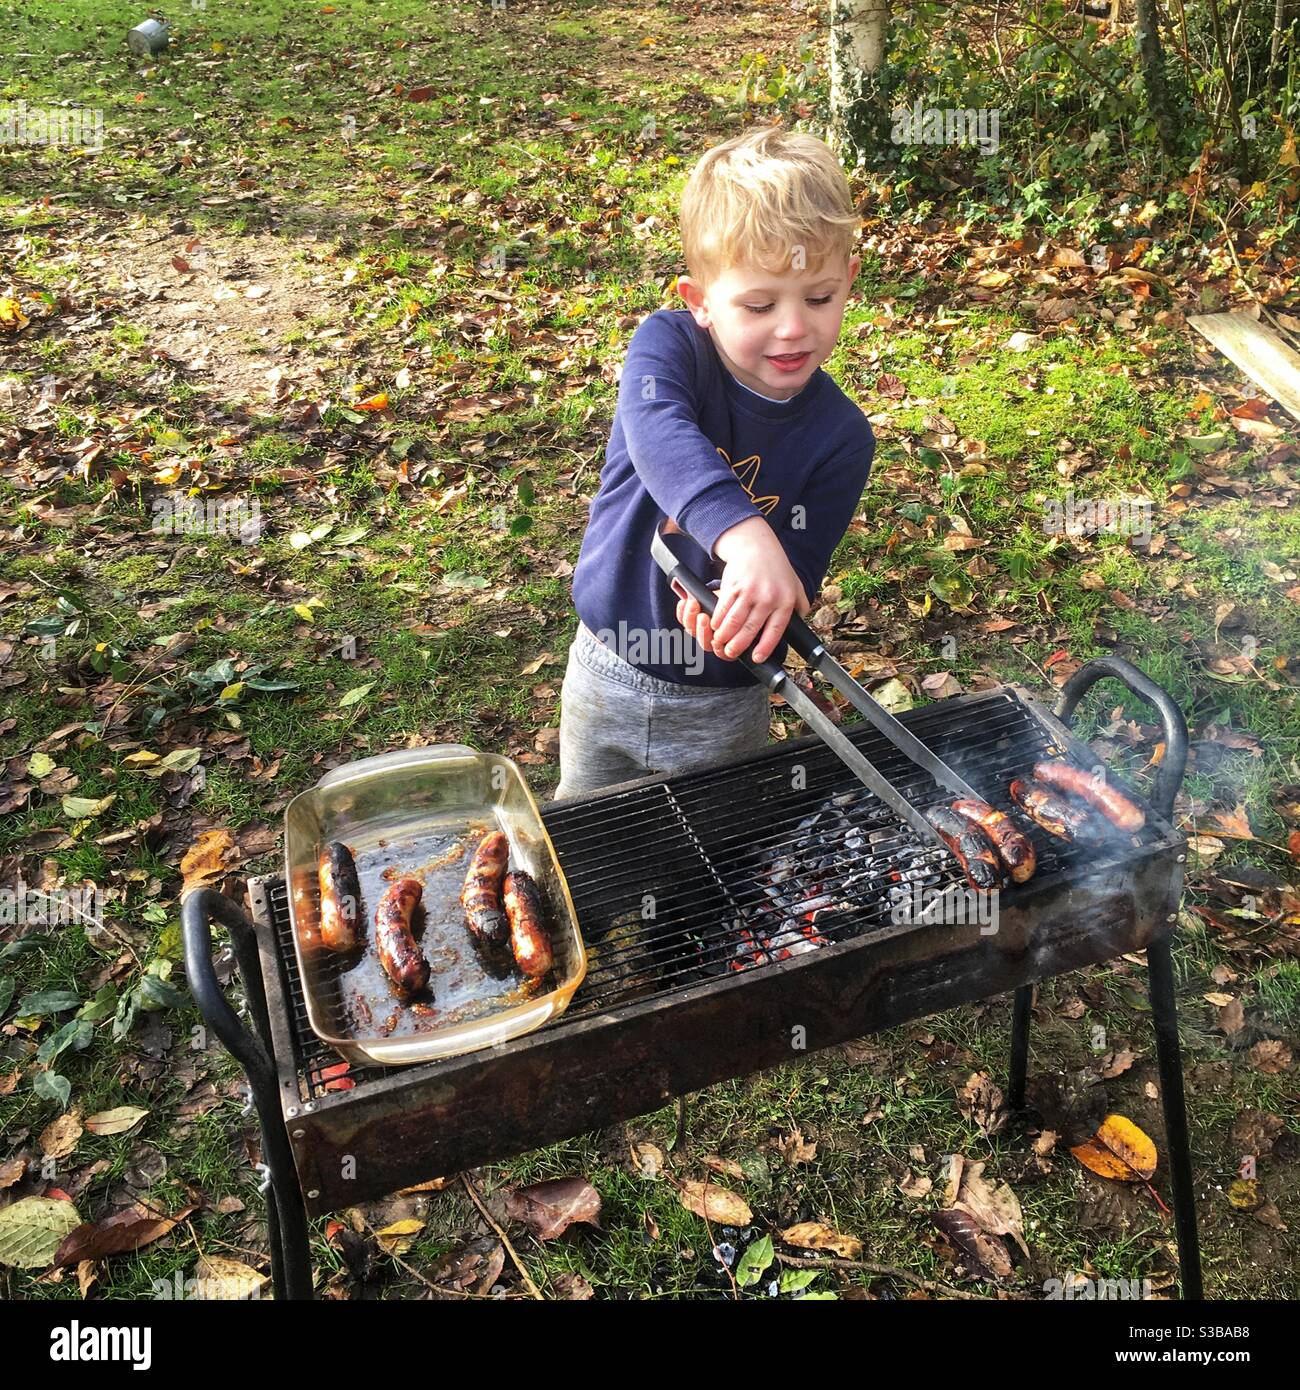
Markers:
(209, 859)
(116, 1121)
(223, 1278)
(548, 1209)
(717, 1204)
(31, 1231)
(396, 1238)
(122, 1231)
(813, 1235)
(982, 1102)
(1270, 1057)
(59, 1137)
(1119, 1150)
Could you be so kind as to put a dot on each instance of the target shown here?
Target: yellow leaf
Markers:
(210, 858)
(303, 612)
(1120, 1150)
(141, 759)
(812, 1235)
(12, 317)
(396, 1239)
(232, 692)
(379, 401)
(170, 474)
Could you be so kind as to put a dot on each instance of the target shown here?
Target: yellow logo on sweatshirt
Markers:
(746, 471)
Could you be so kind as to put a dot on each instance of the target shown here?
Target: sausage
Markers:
(1056, 814)
(340, 898)
(395, 940)
(481, 895)
(1014, 849)
(1112, 804)
(973, 852)
(529, 939)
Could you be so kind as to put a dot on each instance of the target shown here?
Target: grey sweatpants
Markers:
(617, 723)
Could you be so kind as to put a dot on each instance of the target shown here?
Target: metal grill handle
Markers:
(1170, 775)
(286, 1217)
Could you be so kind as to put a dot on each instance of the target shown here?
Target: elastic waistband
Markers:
(604, 661)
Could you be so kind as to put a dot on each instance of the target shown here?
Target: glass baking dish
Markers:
(418, 813)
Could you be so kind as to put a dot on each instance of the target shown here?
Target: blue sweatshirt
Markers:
(690, 442)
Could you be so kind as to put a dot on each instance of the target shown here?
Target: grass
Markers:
(289, 122)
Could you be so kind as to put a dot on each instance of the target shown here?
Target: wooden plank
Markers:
(1254, 347)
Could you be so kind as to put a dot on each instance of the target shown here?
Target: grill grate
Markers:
(662, 874)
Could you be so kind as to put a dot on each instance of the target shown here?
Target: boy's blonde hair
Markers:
(751, 201)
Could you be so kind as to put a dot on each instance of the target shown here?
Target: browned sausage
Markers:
(529, 939)
(1057, 814)
(1112, 804)
(395, 940)
(340, 898)
(481, 895)
(1013, 848)
(973, 852)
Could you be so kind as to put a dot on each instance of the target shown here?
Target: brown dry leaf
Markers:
(476, 1265)
(1270, 1057)
(209, 859)
(728, 1167)
(1119, 1150)
(573, 1287)
(1115, 1063)
(985, 1254)
(59, 1137)
(996, 1209)
(982, 1102)
(915, 1185)
(548, 1209)
(87, 1275)
(1232, 1017)
(939, 685)
(717, 1203)
(813, 1235)
(10, 1171)
(648, 1160)
(1255, 1131)
(1233, 823)
(1268, 1215)
(795, 1149)
(124, 1230)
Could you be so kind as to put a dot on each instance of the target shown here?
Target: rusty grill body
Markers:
(668, 875)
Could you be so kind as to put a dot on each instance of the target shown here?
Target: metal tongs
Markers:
(669, 551)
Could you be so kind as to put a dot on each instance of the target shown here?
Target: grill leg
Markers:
(1021, 1014)
(1164, 1012)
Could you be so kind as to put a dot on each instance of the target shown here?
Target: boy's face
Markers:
(773, 331)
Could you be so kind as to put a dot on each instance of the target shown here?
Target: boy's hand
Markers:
(758, 593)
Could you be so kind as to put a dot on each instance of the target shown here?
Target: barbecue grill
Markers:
(726, 912)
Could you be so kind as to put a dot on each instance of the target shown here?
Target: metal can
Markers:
(148, 38)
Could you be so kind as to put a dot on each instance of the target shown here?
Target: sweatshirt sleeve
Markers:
(829, 501)
(681, 470)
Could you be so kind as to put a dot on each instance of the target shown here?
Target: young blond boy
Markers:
(727, 427)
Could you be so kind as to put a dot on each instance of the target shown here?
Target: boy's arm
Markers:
(684, 473)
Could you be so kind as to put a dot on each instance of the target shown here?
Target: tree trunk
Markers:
(1152, 58)
(859, 29)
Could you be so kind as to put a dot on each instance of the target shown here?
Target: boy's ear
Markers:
(693, 294)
